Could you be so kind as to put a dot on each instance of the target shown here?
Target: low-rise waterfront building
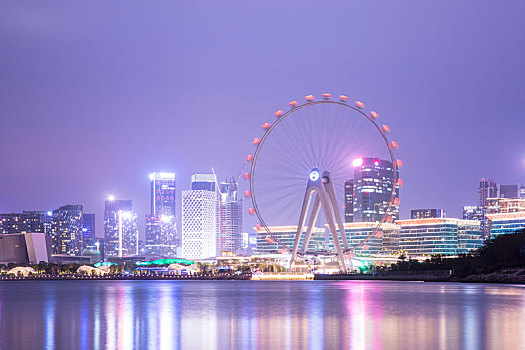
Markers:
(505, 223)
(439, 236)
(29, 247)
(269, 244)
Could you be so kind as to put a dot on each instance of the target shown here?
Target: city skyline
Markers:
(182, 105)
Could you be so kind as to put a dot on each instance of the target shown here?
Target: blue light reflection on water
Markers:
(259, 315)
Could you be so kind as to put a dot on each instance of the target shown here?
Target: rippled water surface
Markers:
(260, 315)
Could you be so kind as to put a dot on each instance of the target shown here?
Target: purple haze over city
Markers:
(96, 95)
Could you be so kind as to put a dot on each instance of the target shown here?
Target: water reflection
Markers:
(259, 315)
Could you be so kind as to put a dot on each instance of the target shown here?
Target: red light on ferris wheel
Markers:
(266, 126)
(327, 96)
(251, 211)
(394, 144)
(309, 97)
(256, 141)
(246, 175)
(249, 157)
(343, 98)
(293, 104)
(385, 128)
(374, 114)
(399, 163)
(278, 113)
(359, 104)
(247, 193)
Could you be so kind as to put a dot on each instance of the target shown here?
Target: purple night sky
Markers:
(94, 96)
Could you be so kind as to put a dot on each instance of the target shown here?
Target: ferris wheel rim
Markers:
(289, 113)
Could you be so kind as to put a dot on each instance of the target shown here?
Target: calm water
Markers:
(260, 315)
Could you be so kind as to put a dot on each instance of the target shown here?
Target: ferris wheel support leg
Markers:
(300, 226)
(311, 222)
(329, 189)
(331, 225)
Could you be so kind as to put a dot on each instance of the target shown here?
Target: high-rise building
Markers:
(161, 224)
(229, 238)
(120, 228)
(129, 233)
(509, 191)
(486, 189)
(373, 183)
(27, 221)
(427, 213)
(161, 235)
(162, 194)
(205, 182)
(92, 246)
(349, 201)
(199, 218)
(66, 231)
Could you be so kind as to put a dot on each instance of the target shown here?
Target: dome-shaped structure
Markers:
(90, 270)
(25, 271)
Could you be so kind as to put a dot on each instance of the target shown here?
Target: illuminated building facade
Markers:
(229, 238)
(385, 241)
(66, 230)
(128, 233)
(199, 224)
(473, 212)
(349, 201)
(505, 223)
(373, 181)
(114, 210)
(161, 224)
(505, 205)
(91, 245)
(439, 236)
(427, 213)
(266, 244)
(27, 221)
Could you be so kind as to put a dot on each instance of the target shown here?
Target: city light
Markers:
(357, 162)
(111, 198)
(166, 218)
(314, 175)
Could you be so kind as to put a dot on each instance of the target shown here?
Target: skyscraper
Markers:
(230, 218)
(199, 218)
(66, 230)
(486, 189)
(161, 229)
(373, 181)
(349, 201)
(206, 182)
(91, 245)
(509, 191)
(120, 228)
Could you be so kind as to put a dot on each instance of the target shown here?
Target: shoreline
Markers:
(498, 278)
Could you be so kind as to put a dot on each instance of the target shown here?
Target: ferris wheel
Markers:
(301, 165)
